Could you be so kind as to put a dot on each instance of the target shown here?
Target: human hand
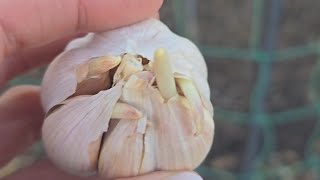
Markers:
(31, 34)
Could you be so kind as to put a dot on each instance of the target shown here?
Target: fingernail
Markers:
(185, 176)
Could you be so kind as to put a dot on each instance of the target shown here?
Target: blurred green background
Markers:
(262, 57)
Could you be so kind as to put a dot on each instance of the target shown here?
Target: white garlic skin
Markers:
(143, 38)
(168, 144)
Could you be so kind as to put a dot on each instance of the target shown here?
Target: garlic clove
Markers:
(96, 66)
(170, 139)
(125, 111)
(123, 151)
(88, 77)
(93, 76)
(204, 90)
(179, 147)
(72, 134)
(164, 75)
(93, 85)
(102, 64)
(129, 65)
(140, 80)
(128, 149)
(191, 93)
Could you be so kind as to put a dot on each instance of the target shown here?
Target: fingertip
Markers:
(20, 91)
(21, 96)
(21, 117)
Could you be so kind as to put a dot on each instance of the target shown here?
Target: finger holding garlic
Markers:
(128, 102)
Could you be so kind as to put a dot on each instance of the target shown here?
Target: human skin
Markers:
(32, 33)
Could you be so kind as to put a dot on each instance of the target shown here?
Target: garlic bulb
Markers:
(128, 102)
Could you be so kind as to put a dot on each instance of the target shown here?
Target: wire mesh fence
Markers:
(262, 50)
(253, 50)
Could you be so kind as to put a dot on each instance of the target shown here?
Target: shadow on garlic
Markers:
(128, 102)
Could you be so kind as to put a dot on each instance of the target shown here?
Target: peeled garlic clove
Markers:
(72, 135)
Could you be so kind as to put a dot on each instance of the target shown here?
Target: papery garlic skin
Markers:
(143, 38)
(173, 133)
(170, 142)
